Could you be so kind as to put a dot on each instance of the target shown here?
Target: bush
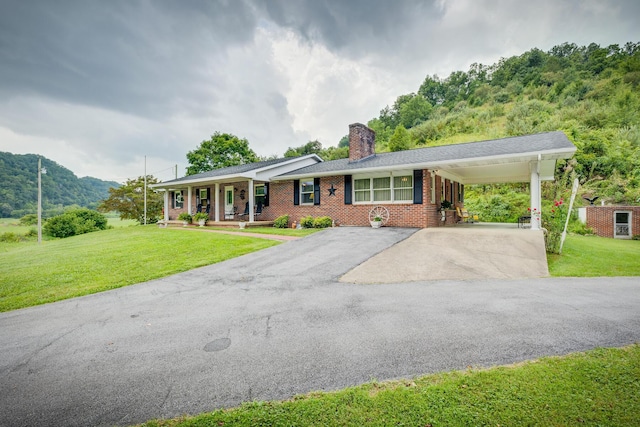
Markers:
(75, 222)
(29, 219)
(10, 238)
(307, 222)
(322, 222)
(281, 222)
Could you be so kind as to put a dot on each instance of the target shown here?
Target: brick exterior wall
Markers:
(281, 203)
(400, 214)
(601, 219)
(362, 142)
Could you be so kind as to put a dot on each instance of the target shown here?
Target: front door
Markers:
(228, 202)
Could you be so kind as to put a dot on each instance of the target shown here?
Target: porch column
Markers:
(216, 203)
(166, 206)
(189, 200)
(251, 201)
(535, 193)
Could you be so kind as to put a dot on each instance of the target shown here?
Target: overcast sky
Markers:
(99, 85)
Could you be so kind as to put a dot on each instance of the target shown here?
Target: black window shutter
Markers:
(461, 192)
(347, 189)
(266, 194)
(296, 192)
(316, 191)
(417, 187)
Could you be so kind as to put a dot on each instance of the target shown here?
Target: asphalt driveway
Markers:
(277, 323)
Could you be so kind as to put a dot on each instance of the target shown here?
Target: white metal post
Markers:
(536, 210)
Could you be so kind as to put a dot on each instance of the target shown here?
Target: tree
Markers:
(221, 151)
(400, 140)
(311, 147)
(128, 201)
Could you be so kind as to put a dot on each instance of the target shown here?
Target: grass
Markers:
(596, 388)
(12, 225)
(35, 274)
(592, 256)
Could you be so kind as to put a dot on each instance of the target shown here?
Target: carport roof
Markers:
(498, 160)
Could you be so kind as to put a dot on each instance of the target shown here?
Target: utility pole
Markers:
(145, 190)
(40, 172)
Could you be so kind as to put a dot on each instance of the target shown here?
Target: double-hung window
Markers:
(306, 192)
(383, 189)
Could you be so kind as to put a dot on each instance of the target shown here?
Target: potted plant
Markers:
(185, 217)
(201, 218)
(376, 222)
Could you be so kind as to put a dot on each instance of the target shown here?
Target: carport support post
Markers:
(216, 203)
(536, 200)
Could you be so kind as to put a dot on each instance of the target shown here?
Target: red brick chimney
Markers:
(362, 142)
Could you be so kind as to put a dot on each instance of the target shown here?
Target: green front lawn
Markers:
(35, 274)
(596, 388)
(592, 256)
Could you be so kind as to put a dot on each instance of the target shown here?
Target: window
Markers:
(383, 189)
(306, 192)
(403, 188)
(260, 193)
(178, 200)
(362, 189)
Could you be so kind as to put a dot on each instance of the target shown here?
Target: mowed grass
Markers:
(596, 388)
(33, 274)
(592, 256)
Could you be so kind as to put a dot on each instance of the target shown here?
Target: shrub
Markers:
(72, 223)
(281, 222)
(10, 238)
(307, 222)
(322, 222)
(29, 219)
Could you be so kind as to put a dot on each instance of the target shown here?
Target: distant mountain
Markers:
(60, 186)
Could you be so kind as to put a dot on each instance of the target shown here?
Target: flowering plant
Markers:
(554, 225)
(535, 213)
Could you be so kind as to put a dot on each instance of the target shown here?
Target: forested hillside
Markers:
(60, 187)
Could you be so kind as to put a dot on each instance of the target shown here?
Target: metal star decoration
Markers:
(332, 191)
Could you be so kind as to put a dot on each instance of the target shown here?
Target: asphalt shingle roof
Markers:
(231, 170)
(548, 141)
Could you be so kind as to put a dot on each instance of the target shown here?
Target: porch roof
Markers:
(492, 161)
(260, 171)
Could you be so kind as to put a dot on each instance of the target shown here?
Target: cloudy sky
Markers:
(99, 85)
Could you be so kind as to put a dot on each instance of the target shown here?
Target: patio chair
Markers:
(258, 209)
(246, 210)
(463, 214)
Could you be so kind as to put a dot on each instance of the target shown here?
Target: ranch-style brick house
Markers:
(410, 184)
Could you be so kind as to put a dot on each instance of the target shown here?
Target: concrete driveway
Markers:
(277, 323)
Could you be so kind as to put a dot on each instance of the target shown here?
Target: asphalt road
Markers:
(277, 323)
